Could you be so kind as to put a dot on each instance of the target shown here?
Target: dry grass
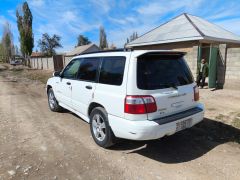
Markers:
(39, 75)
(221, 117)
(24, 72)
(233, 119)
(236, 121)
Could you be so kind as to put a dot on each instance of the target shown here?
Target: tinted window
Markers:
(158, 72)
(88, 69)
(112, 70)
(70, 72)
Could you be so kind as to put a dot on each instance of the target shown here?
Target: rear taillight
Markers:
(139, 104)
(196, 93)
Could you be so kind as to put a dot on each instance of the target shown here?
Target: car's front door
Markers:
(64, 84)
(83, 88)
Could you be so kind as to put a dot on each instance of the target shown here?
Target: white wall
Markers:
(45, 63)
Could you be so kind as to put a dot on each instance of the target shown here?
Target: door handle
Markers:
(88, 87)
(68, 83)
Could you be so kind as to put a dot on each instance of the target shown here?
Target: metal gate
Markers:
(213, 67)
(58, 62)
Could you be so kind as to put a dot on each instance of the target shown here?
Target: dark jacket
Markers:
(204, 71)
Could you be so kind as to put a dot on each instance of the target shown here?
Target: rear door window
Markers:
(162, 71)
(112, 70)
(88, 69)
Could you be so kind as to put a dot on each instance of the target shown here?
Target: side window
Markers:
(70, 72)
(112, 70)
(89, 69)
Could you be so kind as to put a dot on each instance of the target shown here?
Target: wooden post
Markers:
(47, 62)
(37, 62)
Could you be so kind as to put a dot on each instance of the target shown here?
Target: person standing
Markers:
(202, 73)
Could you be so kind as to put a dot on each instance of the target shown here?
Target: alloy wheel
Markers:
(99, 127)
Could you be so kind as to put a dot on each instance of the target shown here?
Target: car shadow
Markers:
(183, 146)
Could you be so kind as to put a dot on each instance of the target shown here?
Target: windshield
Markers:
(162, 71)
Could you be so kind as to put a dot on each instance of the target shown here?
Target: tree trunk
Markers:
(28, 61)
(25, 59)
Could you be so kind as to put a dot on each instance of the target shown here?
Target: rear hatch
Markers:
(169, 80)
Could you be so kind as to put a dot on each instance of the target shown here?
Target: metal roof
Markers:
(81, 49)
(185, 28)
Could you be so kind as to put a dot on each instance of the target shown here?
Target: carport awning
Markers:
(186, 28)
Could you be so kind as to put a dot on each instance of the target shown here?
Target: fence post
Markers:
(37, 63)
(47, 63)
(41, 63)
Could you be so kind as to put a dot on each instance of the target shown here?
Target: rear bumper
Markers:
(147, 130)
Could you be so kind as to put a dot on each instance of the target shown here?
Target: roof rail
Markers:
(102, 51)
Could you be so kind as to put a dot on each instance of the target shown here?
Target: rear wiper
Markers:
(169, 85)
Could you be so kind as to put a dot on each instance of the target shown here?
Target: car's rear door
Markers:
(83, 88)
(111, 87)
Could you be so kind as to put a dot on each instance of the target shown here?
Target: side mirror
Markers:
(57, 73)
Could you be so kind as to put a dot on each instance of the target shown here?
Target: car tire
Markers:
(100, 129)
(52, 102)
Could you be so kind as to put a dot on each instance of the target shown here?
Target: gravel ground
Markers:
(36, 143)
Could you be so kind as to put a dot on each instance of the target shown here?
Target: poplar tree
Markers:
(24, 23)
(103, 44)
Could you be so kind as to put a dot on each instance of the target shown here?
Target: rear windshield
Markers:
(158, 72)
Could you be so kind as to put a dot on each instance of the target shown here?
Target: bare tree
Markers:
(1, 52)
(16, 50)
(82, 40)
(7, 43)
(112, 46)
(48, 44)
(24, 22)
(131, 38)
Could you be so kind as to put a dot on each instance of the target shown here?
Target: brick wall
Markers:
(233, 64)
(232, 79)
(191, 58)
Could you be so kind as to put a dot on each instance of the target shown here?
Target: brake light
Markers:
(196, 93)
(139, 104)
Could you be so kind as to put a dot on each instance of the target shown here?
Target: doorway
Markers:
(209, 52)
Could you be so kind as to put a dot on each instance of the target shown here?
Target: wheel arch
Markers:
(48, 87)
(92, 106)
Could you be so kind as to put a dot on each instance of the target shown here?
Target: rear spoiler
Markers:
(164, 54)
(169, 53)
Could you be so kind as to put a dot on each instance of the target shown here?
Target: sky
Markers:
(120, 18)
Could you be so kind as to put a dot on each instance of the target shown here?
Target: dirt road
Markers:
(36, 143)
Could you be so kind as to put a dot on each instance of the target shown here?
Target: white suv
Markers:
(138, 95)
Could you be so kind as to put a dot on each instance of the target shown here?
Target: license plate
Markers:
(183, 124)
